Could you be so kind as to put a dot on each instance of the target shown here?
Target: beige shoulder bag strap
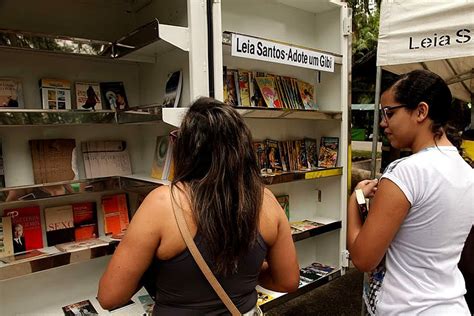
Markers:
(183, 228)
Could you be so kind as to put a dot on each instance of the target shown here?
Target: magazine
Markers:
(173, 89)
(80, 308)
(11, 93)
(328, 150)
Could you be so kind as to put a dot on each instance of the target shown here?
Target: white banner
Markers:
(256, 48)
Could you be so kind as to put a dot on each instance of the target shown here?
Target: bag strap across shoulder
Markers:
(183, 228)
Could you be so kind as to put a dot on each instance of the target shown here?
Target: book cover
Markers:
(309, 275)
(55, 94)
(301, 156)
(273, 155)
(173, 88)
(6, 237)
(256, 97)
(53, 160)
(306, 92)
(80, 308)
(59, 222)
(11, 93)
(81, 245)
(106, 158)
(244, 87)
(162, 160)
(115, 210)
(284, 201)
(113, 95)
(231, 87)
(304, 225)
(85, 221)
(311, 153)
(267, 88)
(261, 154)
(328, 150)
(26, 228)
(263, 298)
(88, 96)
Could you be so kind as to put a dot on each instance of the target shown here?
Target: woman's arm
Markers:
(368, 243)
(280, 272)
(134, 253)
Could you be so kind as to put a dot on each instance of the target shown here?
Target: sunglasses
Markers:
(387, 112)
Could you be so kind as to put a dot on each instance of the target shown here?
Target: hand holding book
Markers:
(364, 189)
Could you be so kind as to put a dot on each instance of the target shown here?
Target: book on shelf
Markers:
(11, 93)
(263, 297)
(114, 96)
(53, 160)
(26, 228)
(304, 225)
(267, 89)
(173, 87)
(306, 92)
(55, 94)
(261, 155)
(273, 155)
(231, 87)
(80, 308)
(301, 156)
(284, 201)
(311, 153)
(328, 151)
(244, 92)
(115, 211)
(162, 165)
(6, 236)
(106, 158)
(24, 256)
(81, 245)
(256, 97)
(59, 222)
(85, 221)
(88, 96)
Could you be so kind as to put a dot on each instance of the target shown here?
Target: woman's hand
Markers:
(369, 187)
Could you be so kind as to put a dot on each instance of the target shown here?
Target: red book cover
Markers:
(115, 212)
(26, 226)
(85, 221)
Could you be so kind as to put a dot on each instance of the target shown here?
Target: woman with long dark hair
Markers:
(422, 208)
(237, 224)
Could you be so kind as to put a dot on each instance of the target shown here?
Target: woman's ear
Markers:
(422, 111)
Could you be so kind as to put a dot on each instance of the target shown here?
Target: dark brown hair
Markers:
(426, 86)
(213, 155)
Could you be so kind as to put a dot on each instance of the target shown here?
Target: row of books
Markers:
(56, 94)
(260, 89)
(65, 226)
(86, 307)
(309, 274)
(296, 155)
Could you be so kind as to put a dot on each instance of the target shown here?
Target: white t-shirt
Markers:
(422, 276)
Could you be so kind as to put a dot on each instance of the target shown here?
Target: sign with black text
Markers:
(260, 49)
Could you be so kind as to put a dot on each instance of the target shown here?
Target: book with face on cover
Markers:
(113, 95)
(11, 93)
(26, 228)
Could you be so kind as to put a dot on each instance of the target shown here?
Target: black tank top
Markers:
(182, 289)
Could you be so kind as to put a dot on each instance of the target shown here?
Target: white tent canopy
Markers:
(437, 35)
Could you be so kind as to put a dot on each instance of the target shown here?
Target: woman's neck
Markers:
(430, 140)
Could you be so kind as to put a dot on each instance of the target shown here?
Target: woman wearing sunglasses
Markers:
(237, 224)
(422, 208)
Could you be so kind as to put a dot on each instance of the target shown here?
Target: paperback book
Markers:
(304, 225)
(106, 158)
(85, 221)
(267, 88)
(263, 298)
(88, 96)
(80, 308)
(6, 239)
(113, 95)
(59, 223)
(328, 151)
(115, 210)
(26, 228)
(2, 169)
(53, 159)
(284, 201)
(55, 94)
(162, 165)
(11, 93)
(81, 245)
(173, 89)
(306, 92)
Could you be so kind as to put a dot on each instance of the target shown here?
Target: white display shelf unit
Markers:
(319, 27)
(175, 39)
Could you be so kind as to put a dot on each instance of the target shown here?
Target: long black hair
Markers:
(213, 156)
(425, 86)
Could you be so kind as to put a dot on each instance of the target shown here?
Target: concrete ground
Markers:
(341, 297)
